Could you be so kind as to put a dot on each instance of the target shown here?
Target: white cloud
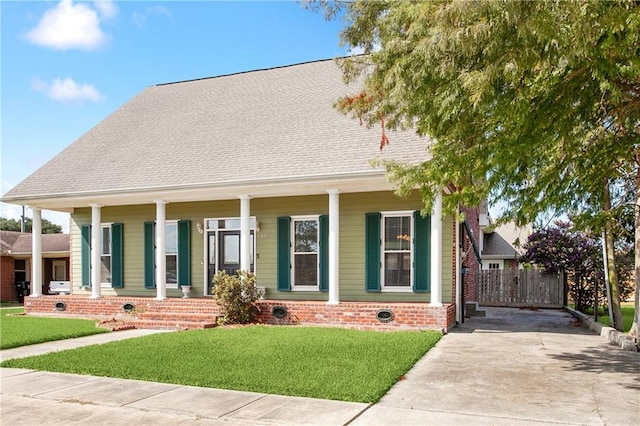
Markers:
(67, 90)
(69, 26)
(140, 19)
(106, 8)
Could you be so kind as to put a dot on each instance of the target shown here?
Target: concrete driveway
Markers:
(516, 367)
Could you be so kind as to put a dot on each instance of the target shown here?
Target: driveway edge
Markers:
(613, 336)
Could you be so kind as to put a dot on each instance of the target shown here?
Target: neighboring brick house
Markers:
(15, 258)
(255, 171)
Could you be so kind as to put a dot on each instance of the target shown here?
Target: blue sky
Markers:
(66, 65)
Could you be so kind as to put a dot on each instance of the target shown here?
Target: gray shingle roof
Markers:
(254, 126)
(16, 243)
(504, 241)
(495, 245)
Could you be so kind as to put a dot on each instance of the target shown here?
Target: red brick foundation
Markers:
(202, 312)
(361, 315)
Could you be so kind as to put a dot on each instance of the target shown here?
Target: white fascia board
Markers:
(314, 185)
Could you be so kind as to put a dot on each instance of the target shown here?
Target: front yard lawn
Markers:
(20, 330)
(329, 363)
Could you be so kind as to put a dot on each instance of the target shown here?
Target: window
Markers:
(105, 256)
(177, 253)
(397, 251)
(171, 247)
(20, 270)
(494, 266)
(305, 253)
(111, 256)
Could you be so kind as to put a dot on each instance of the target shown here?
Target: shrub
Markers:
(236, 295)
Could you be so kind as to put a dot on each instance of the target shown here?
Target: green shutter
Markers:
(421, 253)
(324, 252)
(117, 256)
(372, 256)
(85, 232)
(149, 255)
(184, 252)
(284, 254)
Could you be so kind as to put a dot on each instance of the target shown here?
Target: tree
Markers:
(14, 225)
(536, 104)
(579, 255)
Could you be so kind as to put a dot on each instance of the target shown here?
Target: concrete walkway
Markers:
(515, 367)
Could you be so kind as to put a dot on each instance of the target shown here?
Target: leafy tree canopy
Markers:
(14, 225)
(561, 247)
(532, 103)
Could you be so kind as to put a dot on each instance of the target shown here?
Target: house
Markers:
(501, 246)
(15, 258)
(255, 171)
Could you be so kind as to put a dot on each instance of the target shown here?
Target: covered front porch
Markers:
(202, 312)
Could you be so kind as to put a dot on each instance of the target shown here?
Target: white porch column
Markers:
(36, 253)
(334, 246)
(436, 252)
(245, 232)
(96, 245)
(161, 250)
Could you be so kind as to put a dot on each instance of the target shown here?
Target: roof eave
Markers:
(368, 181)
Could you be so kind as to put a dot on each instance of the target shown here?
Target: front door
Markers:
(223, 252)
(229, 253)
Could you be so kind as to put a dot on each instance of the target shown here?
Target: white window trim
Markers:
(292, 256)
(487, 262)
(205, 245)
(172, 286)
(396, 289)
(106, 226)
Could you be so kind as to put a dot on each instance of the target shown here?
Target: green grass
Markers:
(329, 363)
(627, 316)
(20, 330)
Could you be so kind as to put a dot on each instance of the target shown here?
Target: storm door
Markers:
(229, 253)
(223, 246)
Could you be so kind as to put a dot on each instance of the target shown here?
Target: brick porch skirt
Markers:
(177, 313)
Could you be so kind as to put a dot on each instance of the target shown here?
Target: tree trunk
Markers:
(635, 332)
(614, 288)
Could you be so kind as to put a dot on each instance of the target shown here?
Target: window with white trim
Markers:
(397, 250)
(305, 259)
(171, 253)
(105, 255)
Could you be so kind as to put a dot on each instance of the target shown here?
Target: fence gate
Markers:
(520, 287)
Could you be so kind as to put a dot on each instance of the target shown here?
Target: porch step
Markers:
(172, 325)
(177, 316)
(472, 310)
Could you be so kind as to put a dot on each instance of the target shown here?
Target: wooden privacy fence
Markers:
(521, 287)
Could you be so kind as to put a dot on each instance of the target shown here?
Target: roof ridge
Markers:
(250, 71)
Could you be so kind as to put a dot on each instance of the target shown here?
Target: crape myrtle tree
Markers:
(536, 104)
(562, 247)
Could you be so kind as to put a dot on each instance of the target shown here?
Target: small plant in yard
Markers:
(236, 295)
